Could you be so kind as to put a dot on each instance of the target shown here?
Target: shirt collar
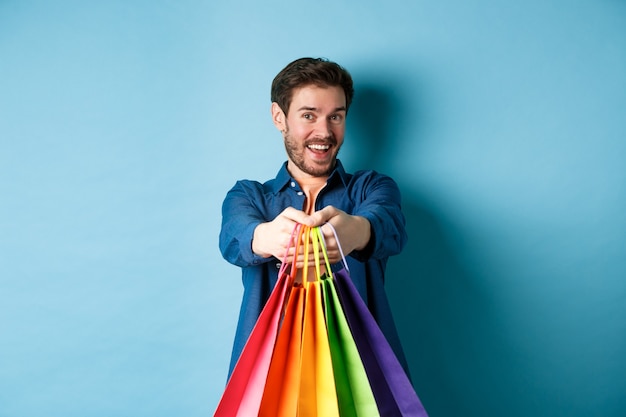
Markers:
(283, 178)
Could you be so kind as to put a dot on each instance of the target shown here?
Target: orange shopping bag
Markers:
(300, 381)
(318, 395)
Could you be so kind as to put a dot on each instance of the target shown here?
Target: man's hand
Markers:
(354, 232)
(273, 238)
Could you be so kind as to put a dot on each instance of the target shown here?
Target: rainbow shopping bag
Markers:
(316, 350)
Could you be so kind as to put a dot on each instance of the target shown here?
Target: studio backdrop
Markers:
(123, 125)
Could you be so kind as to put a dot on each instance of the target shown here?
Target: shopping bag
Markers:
(392, 389)
(354, 394)
(300, 381)
(318, 395)
(245, 387)
(281, 390)
(316, 351)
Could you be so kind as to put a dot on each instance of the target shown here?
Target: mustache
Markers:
(327, 140)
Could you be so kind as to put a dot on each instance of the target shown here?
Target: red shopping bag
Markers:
(244, 390)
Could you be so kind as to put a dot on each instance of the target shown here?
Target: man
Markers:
(310, 102)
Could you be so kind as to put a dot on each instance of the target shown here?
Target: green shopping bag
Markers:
(354, 393)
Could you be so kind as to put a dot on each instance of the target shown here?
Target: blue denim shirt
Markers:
(364, 193)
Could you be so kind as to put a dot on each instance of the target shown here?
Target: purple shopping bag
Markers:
(390, 384)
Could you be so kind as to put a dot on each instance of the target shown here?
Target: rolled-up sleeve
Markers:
(380, 204)
(241, 214)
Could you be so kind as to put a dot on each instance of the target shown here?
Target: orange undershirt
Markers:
(311, 188)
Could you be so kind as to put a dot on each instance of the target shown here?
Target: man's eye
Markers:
(308, 116)
(336, 118)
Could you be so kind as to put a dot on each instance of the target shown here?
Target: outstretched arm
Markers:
(376, 226)
(252, 233)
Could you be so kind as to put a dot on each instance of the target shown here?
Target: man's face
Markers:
(313, 130)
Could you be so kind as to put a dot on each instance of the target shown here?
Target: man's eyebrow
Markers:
(307, 108)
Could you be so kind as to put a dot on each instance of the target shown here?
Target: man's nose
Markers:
(322, 128)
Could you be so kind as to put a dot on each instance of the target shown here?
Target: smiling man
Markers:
(310, 102)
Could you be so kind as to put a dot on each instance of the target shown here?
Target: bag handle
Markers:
(321, 237)
(317, 244)
(297, 231)
(316, 239)
(305, 268)
(314, 236)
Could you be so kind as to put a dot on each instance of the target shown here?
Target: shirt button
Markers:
(300, 193)
(278, 265)
(293, 184)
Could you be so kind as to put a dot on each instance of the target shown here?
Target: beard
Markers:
(296, 150)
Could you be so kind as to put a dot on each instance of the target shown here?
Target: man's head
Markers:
(310, 100)
(310, 71)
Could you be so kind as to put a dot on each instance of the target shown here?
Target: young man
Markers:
(310, 102)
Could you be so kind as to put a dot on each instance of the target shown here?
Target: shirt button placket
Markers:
(296, 188)
(293, 185)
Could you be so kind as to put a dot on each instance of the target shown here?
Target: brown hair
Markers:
(310, 71)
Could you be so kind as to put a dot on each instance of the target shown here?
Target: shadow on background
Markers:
(460, 364)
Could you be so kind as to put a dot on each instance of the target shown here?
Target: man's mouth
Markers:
(318, 147)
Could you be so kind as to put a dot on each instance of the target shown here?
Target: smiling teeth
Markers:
(319, 147)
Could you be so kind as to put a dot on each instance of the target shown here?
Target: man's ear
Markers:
(278, 117)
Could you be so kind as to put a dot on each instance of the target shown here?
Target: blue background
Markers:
(124, 123)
